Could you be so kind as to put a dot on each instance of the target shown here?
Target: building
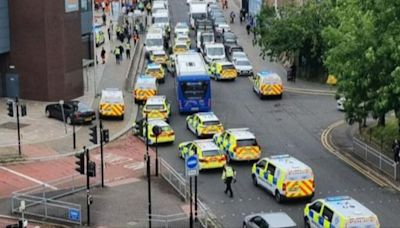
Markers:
(254, 6)
(42, 44)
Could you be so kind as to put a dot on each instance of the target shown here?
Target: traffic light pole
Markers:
(148, 171)
(101, 153)
(73, 136)
(87, 185)
(191, 203)
(156, 155)
(19, 135)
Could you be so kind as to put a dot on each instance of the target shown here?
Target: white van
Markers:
(197, 10)
(154, 40)
(161, 19)
(214, 51)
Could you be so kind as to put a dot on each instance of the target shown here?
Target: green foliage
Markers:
(363, 52)
(297, 32)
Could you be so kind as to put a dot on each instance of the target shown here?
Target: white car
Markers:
(243, 66)
(272, 220)
(215, 51)
(340, 103)
(181, 28)
(238, 54)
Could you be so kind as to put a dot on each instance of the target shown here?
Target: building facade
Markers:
(45, 47)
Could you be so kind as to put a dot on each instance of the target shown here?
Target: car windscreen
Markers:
(211, 123)
(209, 153)
(247, 142)
(199, 16)
(215, 51)
(166, 128)
(159, 55)
(154, 42)
(228, 67)
(152, 70)
(154, 107)
(181, 46)
(160, 20)
(208, 38)
(83, 108)
(243, 63)
(229, 36)
(194, 90)
(219, 20)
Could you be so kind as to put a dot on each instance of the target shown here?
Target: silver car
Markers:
(269, 220)
(243, 66)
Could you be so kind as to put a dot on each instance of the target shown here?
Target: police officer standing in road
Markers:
(228, 175)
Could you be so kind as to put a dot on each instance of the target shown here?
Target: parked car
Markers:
(229, 38)
(232, 48)
(238, 54)
(75, 112)
(243, 66)
(269, 220)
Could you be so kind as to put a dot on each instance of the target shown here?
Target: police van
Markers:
(157, 107)
(112, 103)
(267, 84)
(161, 19)
(339, 211)
(154, 40)
(284, 176)
(145, 87)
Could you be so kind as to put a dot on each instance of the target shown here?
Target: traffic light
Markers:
(80, 162)
(106, 135)
(92, 169)
(93, 134)
(23, 110)
(10, 108)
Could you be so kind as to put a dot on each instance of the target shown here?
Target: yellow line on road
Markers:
(326, 141)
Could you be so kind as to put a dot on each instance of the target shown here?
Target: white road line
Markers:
(27, 177)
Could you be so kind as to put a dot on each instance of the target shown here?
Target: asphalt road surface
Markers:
(292, 126)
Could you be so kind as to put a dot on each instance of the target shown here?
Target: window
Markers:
(316, 206)
(211, 123)
(154, 107)
(262, 164)
(271, 169)
(194, 90)
(207, 153)
(246, 142)
(327, 214)
(259, 222)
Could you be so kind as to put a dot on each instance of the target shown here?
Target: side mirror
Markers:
(144, 45)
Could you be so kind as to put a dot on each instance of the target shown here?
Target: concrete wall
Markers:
(4, 27)
(46, 49)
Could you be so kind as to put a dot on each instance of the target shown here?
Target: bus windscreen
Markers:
(194, 90)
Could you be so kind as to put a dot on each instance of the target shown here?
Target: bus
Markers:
(192, 83)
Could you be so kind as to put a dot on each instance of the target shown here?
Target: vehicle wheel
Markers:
(306, 223)
(197, 134)
(280, 96)
(136, 101)
(122, 117)
(48, 115)
(69, 120)
(278, 197)
(244, 225)
(261, 96)
(162, 80)
(254, 180)
(187, 126)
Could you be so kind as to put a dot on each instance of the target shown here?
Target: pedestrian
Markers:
(121, 50)
(117, 53)
(104, 17)
(128, 50)
(293, 70)
(396, 150)
(103, 55)
(232, 15)
(103, 6)
(241, 14)
(228, 175)
(109, 33)
(225, 4)
(248, 26)
(148, 8)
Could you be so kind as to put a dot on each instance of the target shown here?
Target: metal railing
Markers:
(41, 200)
(204, 215)
(375, 158)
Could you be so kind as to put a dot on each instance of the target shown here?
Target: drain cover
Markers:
(12, 125)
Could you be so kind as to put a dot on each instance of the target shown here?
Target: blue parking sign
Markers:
(74, 214)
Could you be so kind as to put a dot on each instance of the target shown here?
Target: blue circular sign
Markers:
(191, 162)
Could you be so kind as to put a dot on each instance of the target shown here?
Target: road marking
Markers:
(28, 177)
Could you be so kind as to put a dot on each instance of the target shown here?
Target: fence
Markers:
(204, 215)
(375, 158)
(41, 200)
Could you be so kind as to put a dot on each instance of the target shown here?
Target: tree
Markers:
(363, 53)
(296, 33)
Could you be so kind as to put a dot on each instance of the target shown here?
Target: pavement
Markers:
(41, 136)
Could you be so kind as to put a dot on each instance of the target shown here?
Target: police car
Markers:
(159, 57)
(204, 124)
(167, 133)
(239, 144)
(155, 70)
(339, 211)
(157, 107)
(210, 156)
(181, 28)
(284, 176)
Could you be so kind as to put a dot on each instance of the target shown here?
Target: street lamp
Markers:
(157, 130)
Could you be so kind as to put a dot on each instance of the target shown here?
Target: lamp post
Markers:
(148, 171)
(157, 130)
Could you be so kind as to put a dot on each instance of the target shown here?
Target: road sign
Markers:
(192, 165)
(74, 214)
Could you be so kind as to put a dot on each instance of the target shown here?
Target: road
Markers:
(292, 125)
